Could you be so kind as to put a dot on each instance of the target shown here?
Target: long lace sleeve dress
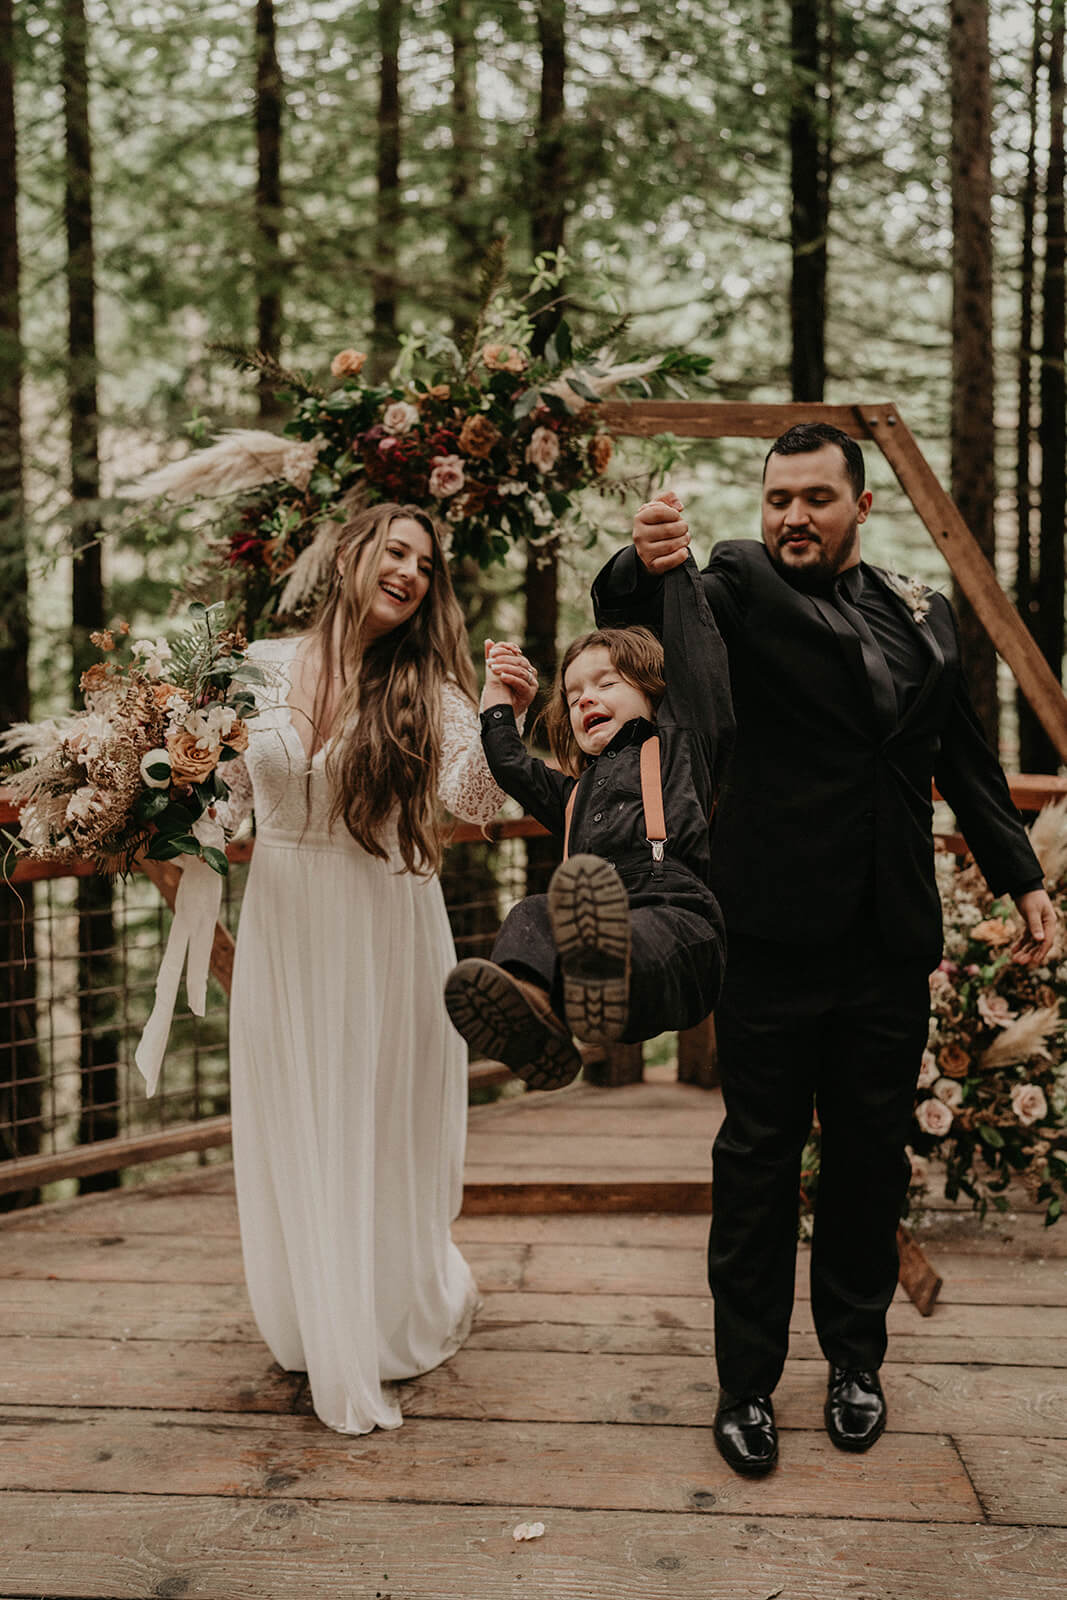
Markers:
(349, 1085)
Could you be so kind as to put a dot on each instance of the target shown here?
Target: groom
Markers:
(849, 702)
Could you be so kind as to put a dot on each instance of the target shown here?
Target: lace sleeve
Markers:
(467, 788)
(237, 809)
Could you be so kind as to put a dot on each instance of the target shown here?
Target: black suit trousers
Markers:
(839, 1027)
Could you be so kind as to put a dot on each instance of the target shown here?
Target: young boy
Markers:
(629, 942)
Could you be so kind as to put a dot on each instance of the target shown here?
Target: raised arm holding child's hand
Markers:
(510, 680)
(661, 533)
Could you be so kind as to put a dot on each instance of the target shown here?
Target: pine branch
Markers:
(279, 377)
(604, 335)
(491, 275)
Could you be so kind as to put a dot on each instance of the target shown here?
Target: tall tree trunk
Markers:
(548, 212)
(466, 241)
(973, 437)
(548, 200)
(20, 1090)
(268, 215)
(1033, 743)
(96, 934)
(387, 215)
(1052, 428)
(809, 153)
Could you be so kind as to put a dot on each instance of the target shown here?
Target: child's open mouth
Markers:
(593, 720)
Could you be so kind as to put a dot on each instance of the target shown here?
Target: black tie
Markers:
(883, 689)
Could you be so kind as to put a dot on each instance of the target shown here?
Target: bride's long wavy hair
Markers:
(384, 766)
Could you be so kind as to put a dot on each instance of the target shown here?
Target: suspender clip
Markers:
(657, 848)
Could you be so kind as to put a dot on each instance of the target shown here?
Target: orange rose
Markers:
(188, 763)
(478, 436)
(601, 450)
(163, 691)
(347, 363)
(953, 1061)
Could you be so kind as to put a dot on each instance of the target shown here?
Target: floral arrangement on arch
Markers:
(496, 442)
(991, 1095)
(136, 771)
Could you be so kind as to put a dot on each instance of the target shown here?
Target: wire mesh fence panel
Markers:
(78, 962)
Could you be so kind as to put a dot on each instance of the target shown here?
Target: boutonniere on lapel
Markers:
(915, 595)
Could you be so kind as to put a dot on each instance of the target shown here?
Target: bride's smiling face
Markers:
(403, 580)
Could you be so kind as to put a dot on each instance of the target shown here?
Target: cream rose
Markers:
(928, 1073)
(155, 758)
(447, 476)
(949, 1092)
(400, 417)
(933, 1117)
(542, 451)
(347, 363)
(1029, 1103)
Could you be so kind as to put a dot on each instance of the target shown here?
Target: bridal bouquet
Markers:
(137, 771)
(488, 437)
(991, 1097)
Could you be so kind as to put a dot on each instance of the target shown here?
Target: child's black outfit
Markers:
(678, 946)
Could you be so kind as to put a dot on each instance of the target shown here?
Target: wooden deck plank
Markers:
(1018, 1480)
(913, 1479)
(613, 1154)
(129, 1547)
(610, 1324)
(547, 1386)
(150, 1373)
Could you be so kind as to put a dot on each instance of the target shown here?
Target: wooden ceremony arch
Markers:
(879, 424)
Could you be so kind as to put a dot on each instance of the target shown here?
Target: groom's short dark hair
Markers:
(808, 436)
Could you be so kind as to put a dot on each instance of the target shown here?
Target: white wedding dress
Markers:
(348, 1083)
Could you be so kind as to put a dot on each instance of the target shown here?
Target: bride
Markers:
(349, 1086)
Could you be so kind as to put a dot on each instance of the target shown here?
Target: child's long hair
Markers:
(635, 653)
(384, 766)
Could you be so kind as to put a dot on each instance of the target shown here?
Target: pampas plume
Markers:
(1048, 835)
(309, 573)
(243, 458)
(1022, 1040)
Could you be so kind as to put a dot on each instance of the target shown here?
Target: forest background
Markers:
(829, 200)
(832, 201)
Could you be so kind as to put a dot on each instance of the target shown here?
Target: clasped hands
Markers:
(510, 679)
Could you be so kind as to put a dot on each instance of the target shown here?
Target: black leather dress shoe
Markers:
(855, 1408)
(745, 1433)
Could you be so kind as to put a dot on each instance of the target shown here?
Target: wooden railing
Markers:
(617, 1065)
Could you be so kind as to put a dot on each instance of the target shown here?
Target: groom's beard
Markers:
(817, 577)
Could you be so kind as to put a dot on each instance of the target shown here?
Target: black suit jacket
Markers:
(826, 799)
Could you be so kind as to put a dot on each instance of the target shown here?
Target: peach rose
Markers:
(447, 476)
(542, 451)
(933, 1117)
(348, 363)
(503, 358)
(993, 932)
(478, 436)
(1029, 1103)
(995, 1010)
(954, 1061)
(188, 763)
(601, 450)
(949, 1092)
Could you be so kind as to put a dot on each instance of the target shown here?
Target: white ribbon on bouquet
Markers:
(192, 934)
